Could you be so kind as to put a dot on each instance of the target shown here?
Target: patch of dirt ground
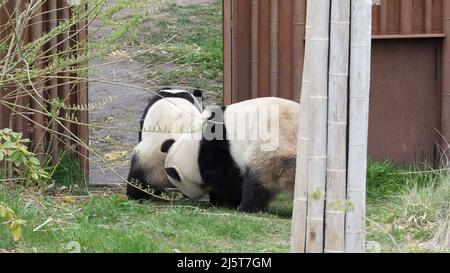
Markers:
(118, 105)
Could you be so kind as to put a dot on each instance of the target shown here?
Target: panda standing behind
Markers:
(167, 114)
(235, 168)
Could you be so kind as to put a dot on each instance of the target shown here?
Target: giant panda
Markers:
(234, 169)
(167, 114)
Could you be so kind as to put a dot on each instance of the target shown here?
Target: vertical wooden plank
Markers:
(445, 85)
(17, 119)
(298, 44)
(8, 8)
(37, 101)
(241, 50)
(418, 17)
(64, 82)
(274, 18)
(3, 38)
(264, 79)
(406, 21)
(437, 13)
(83, 99)
(428, 16)
(52, 17)
(227, 52)
(285, 89)
(376, 19)
(394, 11)
(384, 17)
(254, 32)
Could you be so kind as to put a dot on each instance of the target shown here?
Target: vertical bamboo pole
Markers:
(300, 206)
(406, 21)
(337, 127)
(274, 45)
(299, 17)
(384, 17)
(360, 57)
(227, 52)
(254, 47)
(318, 113)
(445, 85)
(37, 101)
(53, 82)
(428, 16)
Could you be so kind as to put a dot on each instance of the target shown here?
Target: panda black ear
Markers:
(198, 93)
(165, 147)
(165, 88)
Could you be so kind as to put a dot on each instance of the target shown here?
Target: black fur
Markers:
(165, 147)
(137, 177)
(198, 93)
(255, 197)
(218, 169)
(171, 172)
(161, 94)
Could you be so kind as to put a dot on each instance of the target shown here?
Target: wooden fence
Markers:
(410, 87)
(31, 114)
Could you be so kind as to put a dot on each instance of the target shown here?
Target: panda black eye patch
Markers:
(171, 172)
(165, 147)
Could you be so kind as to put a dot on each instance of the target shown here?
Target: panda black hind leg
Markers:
(255, 197)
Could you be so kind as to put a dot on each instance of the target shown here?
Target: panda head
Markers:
(181, 167)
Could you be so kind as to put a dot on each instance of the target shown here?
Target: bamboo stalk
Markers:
(360, 56)
(318, 115)
(337, 127)
(300, 205)
(254, 47)
(274, 45)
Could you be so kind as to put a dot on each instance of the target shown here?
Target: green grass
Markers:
(68, 172)
(114, 224)
(406, 214)
(407, 208)
(187, 46)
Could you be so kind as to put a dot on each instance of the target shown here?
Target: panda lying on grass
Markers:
(167, 114)
(243, 156)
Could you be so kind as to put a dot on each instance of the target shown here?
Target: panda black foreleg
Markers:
(255, 197)
(136, 181)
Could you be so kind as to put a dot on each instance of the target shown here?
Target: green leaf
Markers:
(35, 161)
(16, 230)
(35, 176)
